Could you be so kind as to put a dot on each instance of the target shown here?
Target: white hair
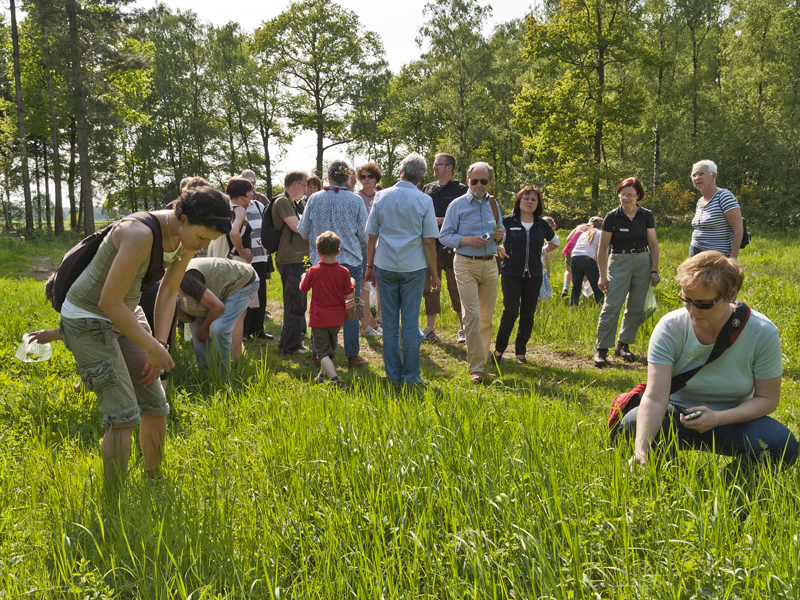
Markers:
(413, 167)
(708, 164)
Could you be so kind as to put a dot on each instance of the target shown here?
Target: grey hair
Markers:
(413, 167)
(478, 165)
(708, 164)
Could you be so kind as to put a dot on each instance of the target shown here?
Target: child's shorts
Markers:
(325, 339)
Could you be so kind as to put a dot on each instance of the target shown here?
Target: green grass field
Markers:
(276, 488)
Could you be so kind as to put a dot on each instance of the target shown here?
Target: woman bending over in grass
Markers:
(102, 325)
(724, 406)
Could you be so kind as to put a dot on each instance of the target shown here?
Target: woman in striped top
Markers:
(718, 219)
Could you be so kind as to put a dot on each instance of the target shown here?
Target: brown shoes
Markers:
(354, 362)
(477, 377)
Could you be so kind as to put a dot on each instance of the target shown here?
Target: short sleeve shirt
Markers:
(443, 195)
(292, 248)
(328, 283)
(711, 229)
(729, 380)
(628, 234)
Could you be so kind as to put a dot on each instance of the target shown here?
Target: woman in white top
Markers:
(584, 261)
(718, 218)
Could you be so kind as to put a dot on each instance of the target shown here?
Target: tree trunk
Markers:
(23, 146)
(38, 186)
(73, 221)
(80, 117)
(47, 189)
(59, 206)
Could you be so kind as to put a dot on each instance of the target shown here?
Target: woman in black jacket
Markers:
(526, 233)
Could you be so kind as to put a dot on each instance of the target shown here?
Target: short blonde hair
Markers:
(713, 269)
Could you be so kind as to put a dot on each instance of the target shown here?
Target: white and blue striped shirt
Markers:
(711, 228)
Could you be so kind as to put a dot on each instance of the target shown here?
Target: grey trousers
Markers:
(628, 280)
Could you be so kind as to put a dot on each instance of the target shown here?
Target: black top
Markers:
(524, 247)
(628, 234)
(443, 195)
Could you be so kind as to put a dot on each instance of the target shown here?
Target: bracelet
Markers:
(369, 266)
(166, 346)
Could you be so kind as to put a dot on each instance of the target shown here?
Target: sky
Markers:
(397, 23)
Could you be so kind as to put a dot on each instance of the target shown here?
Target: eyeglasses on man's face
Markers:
(477, 181)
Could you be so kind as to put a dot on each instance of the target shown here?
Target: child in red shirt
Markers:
(329, 283)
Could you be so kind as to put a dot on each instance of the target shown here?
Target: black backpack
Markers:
(271, 235)
(81, 254)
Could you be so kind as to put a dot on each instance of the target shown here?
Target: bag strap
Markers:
(155, 269)
(495, 210)
(729, 334)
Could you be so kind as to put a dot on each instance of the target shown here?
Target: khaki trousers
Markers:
(477, 286)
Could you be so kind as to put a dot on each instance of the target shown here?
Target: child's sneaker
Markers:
(320, 378)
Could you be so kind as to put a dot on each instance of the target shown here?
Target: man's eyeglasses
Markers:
(477, 181)
(364, 176)
(441, 165)
(699, 304)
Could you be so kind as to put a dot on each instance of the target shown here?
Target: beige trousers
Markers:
(477, 286)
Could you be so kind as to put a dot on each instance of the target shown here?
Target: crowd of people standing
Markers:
(337, 243)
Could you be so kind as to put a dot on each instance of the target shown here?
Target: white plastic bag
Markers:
(373, 298)
(587, 289)
(650, 305)
(32, 351)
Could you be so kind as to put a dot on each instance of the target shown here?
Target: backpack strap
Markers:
(155, 270)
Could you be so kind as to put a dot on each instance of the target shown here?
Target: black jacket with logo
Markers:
(524, 247)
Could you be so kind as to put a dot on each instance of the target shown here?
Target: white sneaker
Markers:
(462, 337)
(371, 332)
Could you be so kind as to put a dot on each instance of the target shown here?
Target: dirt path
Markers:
(41, 269)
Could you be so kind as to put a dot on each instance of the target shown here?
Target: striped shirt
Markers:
(255, 211)
(711, 228)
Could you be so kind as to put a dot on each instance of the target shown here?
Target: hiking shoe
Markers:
(600, 358)
(624, 352)
(429, 335)
(354, 362)
(462, 337)
(371, 332)
(476, 378)
(521, 360)
(337, 383)
(314, 360)
(565, 292)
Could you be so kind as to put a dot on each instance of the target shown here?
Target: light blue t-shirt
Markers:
(728, 381)
(402, 216)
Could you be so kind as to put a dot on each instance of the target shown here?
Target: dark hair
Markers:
(339, 171)
(316, 181)
(447, 159)
(328, 243)
(371, 168)
(207, 207)
(238, 187)
(537, 212)
(635, 184)
(196, 182)
(293, 176)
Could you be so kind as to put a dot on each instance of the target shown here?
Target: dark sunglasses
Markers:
(366, 176)
(477, 181)
(699, 304)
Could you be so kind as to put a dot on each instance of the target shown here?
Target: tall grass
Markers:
(275, 488)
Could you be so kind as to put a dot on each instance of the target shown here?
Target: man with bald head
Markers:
(473, 226)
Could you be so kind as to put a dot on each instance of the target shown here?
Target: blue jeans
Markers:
(743, 440)
(401, 294)
(351, 329)
(583, 266)
(218, 345)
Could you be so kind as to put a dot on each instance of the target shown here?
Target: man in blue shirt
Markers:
(473, 226)
(403, 219)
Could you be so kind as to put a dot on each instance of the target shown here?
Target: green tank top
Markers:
(85, 292)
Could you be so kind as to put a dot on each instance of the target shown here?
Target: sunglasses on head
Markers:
(364, 176)
(699, 304)
(477, 181)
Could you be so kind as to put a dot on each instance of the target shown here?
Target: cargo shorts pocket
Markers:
(99, 374)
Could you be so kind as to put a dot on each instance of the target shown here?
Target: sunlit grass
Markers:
(276, 488)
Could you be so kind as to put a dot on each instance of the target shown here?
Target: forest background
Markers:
(119, 103)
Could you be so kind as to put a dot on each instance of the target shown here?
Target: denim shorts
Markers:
(111, 365)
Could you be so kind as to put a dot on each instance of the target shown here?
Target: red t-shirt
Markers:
(328, 283)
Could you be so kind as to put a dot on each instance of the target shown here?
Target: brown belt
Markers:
(482, 257)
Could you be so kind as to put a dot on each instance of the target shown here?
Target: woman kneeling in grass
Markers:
(724, 406)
